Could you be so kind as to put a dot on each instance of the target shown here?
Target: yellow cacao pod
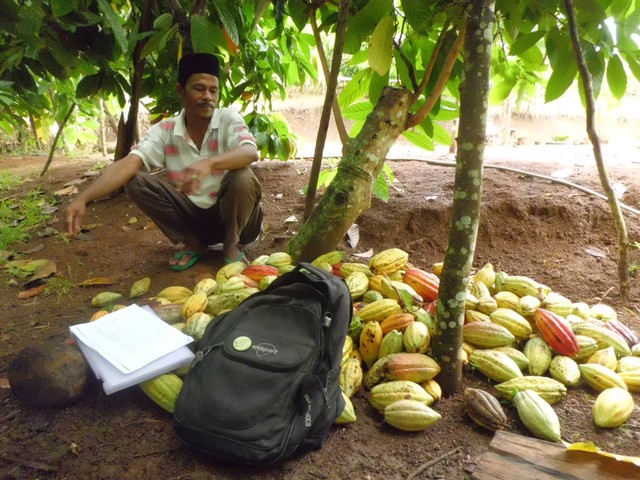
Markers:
(206, 285)
(105, 299)
(628, 363)
(379, 310)
(228, 271)
(195, 303)
(605, 357)
(495, 365)
(196, 325)
(279, 259)
(388, 261)
(140, 287)
(558, 304)
(386, 393)
(416, 338)
(433, 388)
(600, 377)
(331, 258)
(516, 355)
(351, 376)
(370, 341)
(537, 415)
(512, 321)
(549, 389)
(631, 379)
(348, 414)
(98, 314)
(391, 343)
(506, 299)
(539, 355)
(487, 335)
(358, 284)
(612, 407)
(175, 294)
(163, 390)
(226, 301)
(486, 275)
(603, 312)
(410, 415)
(565, 370)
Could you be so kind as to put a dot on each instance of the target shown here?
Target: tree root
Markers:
(431, 463)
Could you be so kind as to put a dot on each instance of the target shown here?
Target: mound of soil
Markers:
(558, 235)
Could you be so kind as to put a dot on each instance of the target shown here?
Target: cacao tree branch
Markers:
(325, 117)
(432, 61)
(410, 70)
(54, 144)
(337, 114)
(113, 123)
(199, 7)
(585, 76)
(440, 85)
(544, 177)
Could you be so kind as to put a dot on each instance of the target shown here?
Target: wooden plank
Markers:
(515, 457)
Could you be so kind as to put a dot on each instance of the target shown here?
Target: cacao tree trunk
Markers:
(349, 194)
(614, 204)
(130, 126)
(467, 195)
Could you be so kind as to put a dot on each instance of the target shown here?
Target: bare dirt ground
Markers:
(529, 226)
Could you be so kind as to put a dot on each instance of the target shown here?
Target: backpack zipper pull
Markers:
(200, 355)
(327, 319)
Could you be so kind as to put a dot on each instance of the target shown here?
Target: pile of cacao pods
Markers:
(531, 341)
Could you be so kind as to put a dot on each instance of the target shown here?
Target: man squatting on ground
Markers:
(211, 195)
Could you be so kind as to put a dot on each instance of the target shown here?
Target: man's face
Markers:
(200, 94)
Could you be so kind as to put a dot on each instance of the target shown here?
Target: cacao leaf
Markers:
(44, 270)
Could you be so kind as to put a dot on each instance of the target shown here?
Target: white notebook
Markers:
(131, 345)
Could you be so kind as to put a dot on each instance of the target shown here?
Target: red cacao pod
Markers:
(556, 332)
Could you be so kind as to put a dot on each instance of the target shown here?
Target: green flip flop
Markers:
(240, 258)
(195, 256)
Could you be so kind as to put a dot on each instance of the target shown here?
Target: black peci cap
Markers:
(197, 63)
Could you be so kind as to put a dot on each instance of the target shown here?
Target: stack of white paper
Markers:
(131, 345)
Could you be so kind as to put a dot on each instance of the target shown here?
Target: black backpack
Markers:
(264, 383)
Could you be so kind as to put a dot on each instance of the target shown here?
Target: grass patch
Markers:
(19, 216)
(8, 181)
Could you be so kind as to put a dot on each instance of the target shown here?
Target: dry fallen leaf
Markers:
(32, 292)
(367, 254)
(354, 235)
(596, 252)
(91, 282)
(66, 191)
(4, 382)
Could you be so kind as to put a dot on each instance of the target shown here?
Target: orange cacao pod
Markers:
(425, 284)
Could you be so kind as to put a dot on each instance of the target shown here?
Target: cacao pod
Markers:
(612, 407)
(410, 415)
(484, 409)
(537, 415)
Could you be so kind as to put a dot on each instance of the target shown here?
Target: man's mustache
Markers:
(206, 104)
